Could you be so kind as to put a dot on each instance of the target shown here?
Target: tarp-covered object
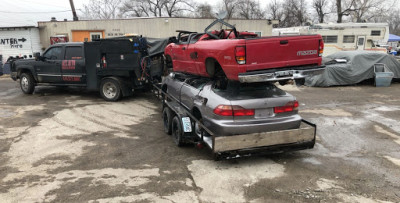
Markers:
(157, 45)
(359, 67)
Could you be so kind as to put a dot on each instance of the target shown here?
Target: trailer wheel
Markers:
(167, 118)
(110, 90)
(27, 83)
(300, 82)
(177, 131)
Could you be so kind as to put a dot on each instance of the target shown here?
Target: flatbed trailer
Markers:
(236, 146)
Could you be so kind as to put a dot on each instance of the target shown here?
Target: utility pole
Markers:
(75, 17)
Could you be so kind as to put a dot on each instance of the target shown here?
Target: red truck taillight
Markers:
(321, 47)
(228, 110)
(240, 53)
(290, 106)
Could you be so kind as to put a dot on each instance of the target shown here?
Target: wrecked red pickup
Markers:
(244, 56)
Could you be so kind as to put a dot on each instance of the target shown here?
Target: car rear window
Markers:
(234, 90)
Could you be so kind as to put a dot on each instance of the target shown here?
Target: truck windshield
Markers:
(234, 90)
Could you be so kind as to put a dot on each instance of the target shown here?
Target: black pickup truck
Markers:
(115, 67)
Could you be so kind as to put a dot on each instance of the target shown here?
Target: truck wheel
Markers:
(110, 90)
(27, 83)
(167, 118)
(177, 131)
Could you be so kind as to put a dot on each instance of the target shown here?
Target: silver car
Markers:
(232, 108)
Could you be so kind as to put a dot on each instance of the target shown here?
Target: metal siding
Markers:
(31, 45)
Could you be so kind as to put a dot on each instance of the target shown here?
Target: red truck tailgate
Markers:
(286, 51)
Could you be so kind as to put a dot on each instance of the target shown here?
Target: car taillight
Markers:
(228, 110)
(321, 47)
(290, 106)
(240, 53)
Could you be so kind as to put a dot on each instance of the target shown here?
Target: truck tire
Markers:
(110, 90)
(177, 131)
(167, 118)
(27, 83)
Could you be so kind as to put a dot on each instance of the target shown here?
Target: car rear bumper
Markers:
(280, 74)
(265, 143)
(229, 128)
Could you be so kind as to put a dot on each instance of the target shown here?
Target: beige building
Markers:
(86, 30)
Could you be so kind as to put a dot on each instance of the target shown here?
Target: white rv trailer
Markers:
(345, 36)
(351, 36)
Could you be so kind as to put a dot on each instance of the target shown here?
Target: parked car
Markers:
(235, 108)
(233, 118)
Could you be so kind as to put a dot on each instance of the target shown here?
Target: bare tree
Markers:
(369, 9)
(344, 8)
(249, 9)
(294, 13)
(275, 10)
(230, 7)
(139, 8)
(177, 7)
(320, 8)
(204, 11)
(394, 22)
(102, 9)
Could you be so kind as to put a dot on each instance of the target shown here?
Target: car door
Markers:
(180, 55)
(190, 91)
(73, 66)
(49, 69)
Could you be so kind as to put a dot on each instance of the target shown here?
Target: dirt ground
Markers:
(68, 145)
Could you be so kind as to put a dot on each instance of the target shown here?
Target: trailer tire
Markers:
(167, 118)
(110, 89)
(177, 131)
(27, 83)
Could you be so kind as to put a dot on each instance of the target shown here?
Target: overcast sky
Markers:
(29, 12)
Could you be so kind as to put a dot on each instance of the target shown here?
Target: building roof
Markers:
(7, 27)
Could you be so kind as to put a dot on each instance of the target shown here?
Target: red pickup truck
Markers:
(244, 56)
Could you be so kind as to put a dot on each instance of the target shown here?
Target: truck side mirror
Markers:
(37, 56)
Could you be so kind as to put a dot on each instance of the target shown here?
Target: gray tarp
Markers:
(157, 45)
(359, 67)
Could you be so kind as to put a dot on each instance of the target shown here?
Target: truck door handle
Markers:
(284, 41)
(183, 48)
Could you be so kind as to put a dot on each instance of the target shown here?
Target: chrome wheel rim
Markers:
(109, 90)
(24, 83)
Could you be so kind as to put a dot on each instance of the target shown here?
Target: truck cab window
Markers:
(53, 53)
(73, 53)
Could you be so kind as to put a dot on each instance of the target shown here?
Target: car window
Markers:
(197, 83)
(195, 38)
(53, 53)
(73, 53)
(234, 90)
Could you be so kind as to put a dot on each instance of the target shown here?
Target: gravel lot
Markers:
(68, 145)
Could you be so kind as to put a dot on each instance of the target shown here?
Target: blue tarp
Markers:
(393, 38)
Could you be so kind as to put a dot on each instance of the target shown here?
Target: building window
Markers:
(348, 38)
(258, 33)
(330, 39)
(375, 33)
